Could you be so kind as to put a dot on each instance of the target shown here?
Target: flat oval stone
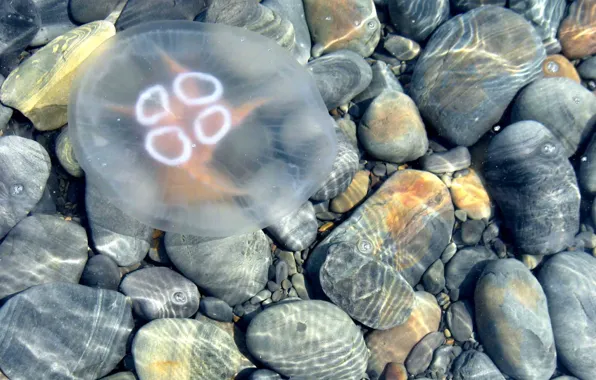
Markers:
(353, 195)
(567, 280)
(83, 11)
(65, 154)
(533, 183)
(576, 32)
(54, 21)
(421, 355)
(587, 69)
(466, 5)
(41, 249)
(395, 344)
(293, 10)
(297, 230)
(175, 348)
(460, 319)
(587, 168)
(264, 374)
(160, 293)
(433, 279)
(40, 87)
(329, 344)
(121, 376)
(87, 329)
(447, 162)
(557, 66)
(565, 107)
(140, 11)
(101, 272)
(392, 129)
(443, 357)
(383, 79)
(370, 291)
(417, 19)
(344, 168)
(468, 194)
(20, 22)
(545, 16)
(475, 365)
(216, 309)
(340, 76)
(405, 224)
(506, 53)
(232, 269)
(24, 170)
(114, 233)
(513, 320)
(336, 25)
(401, 47)
(463, 270)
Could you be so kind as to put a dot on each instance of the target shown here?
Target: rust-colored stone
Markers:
(557, 65)
(577, 32)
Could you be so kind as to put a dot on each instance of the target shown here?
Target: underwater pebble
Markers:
(587, 69)
(299, 285)
(344, 168)
(24, 171)
(567, 280)
(330, 344)
(545, 16)
(41, 249)
(160, 293)
(507, 54)
(101, 272)
(87, 329)
(417, 19)
(421, 355)
(576, 32)
(39, 87)
(566, 108)
(587, 168)
(463, 270)
(513, 320)
(471, 231)
(293, 10)
(392, 129)
(370, 291)
(434, 278)
(531, 180)
(264, 374)
(341, 24)
(401, 47)
(84, 11)
(65, 154)
(20, 22)
(395, 344)
(121, 376)
(115, 234)
(232, 269)
(353, 195)
(460, 319)
(140, 11)
(216, 309)
(54, 20)
(557, 66)
(448, 161)
(443, 357)
(466, 5)
(340, 76)
(470, 195)
(186, 348)
(383, 79)
(475, 365)
(297, 230)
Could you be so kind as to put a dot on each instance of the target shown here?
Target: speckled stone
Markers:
(330, 344)
(101, 272)
(567, 280)
(395, 344)
(24, 170)
(565, 107)
(115, 234)
(557, 66)
(462, 104)
(513, 320)
(545, 16)
(401, 47)
(405, 224)
(531, 180)
(392, 129)
(448, 161)
(460, 319)
(468, 194)
(341, 24)
(41, 249)
(463, 270)
(475, 365)
(297, 230)
(39, 88)
(340, 76)
(576, 32)
(343, 170)
(20, 22)
(63, 331)
(417, 19)
(232, 269)
(66, 155)
(160, 293)
(353, 195)
(177, 348)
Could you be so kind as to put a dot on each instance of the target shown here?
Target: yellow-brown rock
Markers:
(353, 195)
(577, 32)
(557, 65)
(395, 344)
(40, 87)
(395, 371)
(470, 195)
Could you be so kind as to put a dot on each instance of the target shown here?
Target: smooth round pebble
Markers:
(471, 231)
(460, 319)
(448, 161)
(354, 194)
(463, 270)
(216, 309)
(297, 230)
(475, 365)
(417, 19)
(557, 66)
(421, 355)
(434, 277)
(576, 32)
(65, 154)
(470, 195)
(101, 272)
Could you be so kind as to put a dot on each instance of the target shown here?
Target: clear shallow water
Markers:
(450, 234)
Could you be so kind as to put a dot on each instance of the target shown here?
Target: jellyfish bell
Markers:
(201, 129)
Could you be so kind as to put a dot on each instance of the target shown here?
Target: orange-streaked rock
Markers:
(468, 194)
(557, 65)
(353, 195)
(577, 32)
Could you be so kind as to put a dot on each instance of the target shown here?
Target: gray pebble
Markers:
(463, 270)
(402, 48)
(383, 79)
(447, 162)
(417, 19)
(293, 10)
(461, 215)
(460, 319)
(260, 296)
(443, 357)
(587, 239)
(65, 154)
(273, 286)
(587, 69)
(421, 355)
(545, 16)
(216, 309)
(281, 271)
(264, 374)
(24, 170)
(277, 295)
(299, 285)
(55, 20)
(448, 252)
(434, 278)
(587, 168)
(288, 257)
(101, 272)
(490, 233)
(160, 293)
(475, 365)
(286, 284)
(121, 376)
(471, 231)
(297, 230)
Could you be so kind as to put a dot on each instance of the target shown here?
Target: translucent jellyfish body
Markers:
(201, 129)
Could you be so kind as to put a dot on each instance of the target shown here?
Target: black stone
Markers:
(216, 309)
(84, 11)
(101, 272)
(19, 22)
